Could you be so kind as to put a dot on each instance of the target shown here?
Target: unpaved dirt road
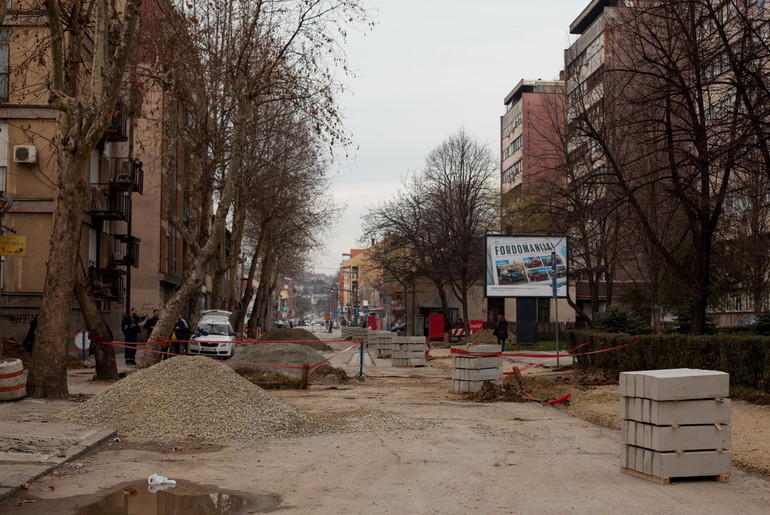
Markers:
(471, 458)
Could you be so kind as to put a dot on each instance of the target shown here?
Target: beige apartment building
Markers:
(131, 251)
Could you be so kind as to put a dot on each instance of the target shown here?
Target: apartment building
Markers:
(132, 253)
(530, 153)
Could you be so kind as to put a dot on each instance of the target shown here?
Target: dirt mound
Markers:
(190, 396)
(296, 335)
(271, 380)
(282, 358)
(483, 336)
(491, 392)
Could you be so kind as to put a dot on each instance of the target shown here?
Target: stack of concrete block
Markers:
(382, 342)
(474, 364)
(354, 333)
(408, 351)
(676, 423)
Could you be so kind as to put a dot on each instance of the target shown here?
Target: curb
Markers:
(10, 485)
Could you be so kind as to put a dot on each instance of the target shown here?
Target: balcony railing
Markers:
(107, 202)
(125, 173)
(125, 251)
(106, 283)
(117, 130)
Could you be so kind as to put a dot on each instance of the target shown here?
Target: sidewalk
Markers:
(31, 444)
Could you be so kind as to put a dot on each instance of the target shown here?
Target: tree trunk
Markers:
(104, 352)
(48, 372)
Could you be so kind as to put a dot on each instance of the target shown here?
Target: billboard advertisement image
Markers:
(526, 265)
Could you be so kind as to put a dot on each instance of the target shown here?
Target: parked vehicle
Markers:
(213, 336)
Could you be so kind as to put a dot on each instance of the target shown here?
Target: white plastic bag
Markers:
(155, 479)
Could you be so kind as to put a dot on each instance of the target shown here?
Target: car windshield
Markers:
(208, 328)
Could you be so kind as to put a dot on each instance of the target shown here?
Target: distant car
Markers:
(213, 336)
(534, 263)
(747, 321)
(398, 328)
(511, 275)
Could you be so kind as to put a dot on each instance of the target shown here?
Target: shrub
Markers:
(617, 320)
(745, 358)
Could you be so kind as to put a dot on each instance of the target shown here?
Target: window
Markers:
(4, 60)
(513, 147)
(510, 173)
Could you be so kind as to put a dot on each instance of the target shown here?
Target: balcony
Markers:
(125, 251)
(125, 173)
(108, 202)
(106, 283)
(117, 130)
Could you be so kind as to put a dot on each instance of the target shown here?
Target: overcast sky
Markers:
(428, 68)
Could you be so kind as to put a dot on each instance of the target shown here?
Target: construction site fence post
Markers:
(305, 376)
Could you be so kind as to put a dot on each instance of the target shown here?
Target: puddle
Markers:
(183, 499)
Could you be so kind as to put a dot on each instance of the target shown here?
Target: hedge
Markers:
(745, 358)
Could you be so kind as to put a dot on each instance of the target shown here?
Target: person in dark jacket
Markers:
(501, 331)
(182, 334)
(130, 327)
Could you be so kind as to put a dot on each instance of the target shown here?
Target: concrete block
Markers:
(631, 451)
(689, 438)
(648, 458)
(623, 404)
(683, 383)
(647, 431)
(689, 412)
(623, 388)
(692, 464)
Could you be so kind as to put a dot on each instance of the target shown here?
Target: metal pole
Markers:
(361, 359)
(554, 285)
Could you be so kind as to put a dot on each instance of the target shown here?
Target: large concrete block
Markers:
(665, 413)
(692, 464)
(682, 384)
(676, 438)
(486, 374)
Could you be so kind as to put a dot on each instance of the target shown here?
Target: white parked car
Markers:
(213, 336)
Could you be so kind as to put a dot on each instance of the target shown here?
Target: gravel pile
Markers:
(197, 396)
(185, 396)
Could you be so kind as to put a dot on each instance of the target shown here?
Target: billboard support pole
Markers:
(555, 302)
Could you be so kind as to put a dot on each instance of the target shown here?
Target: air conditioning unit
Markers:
(25, 154)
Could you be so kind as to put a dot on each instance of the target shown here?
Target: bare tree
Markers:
(679, 107)
(89, 46)
(253, 54)
(435, 228)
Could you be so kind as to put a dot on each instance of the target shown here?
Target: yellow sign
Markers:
(13, 245)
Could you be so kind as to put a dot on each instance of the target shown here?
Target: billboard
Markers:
(525, 265)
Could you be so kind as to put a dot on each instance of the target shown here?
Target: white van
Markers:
(213, 336)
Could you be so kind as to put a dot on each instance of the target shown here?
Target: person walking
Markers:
(130, 327)
(501, 331)
(182, 335)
